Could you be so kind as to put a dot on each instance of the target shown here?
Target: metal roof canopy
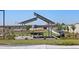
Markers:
(37, 16)
(43, 18)
(28, 21)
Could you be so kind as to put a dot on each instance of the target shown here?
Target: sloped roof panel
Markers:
(43, 18)
(28, 21)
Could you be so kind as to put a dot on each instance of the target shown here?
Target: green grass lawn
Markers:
(34, 42)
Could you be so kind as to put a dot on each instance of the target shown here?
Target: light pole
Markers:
(3, 23)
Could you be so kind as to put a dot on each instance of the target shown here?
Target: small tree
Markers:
(28, 27)
(73, 28)
(67, 28)
(67, 33)
(59, 26)
(63, 24)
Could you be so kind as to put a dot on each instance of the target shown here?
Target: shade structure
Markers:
(49, 25)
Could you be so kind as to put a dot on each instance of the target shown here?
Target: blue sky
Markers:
(65, 16)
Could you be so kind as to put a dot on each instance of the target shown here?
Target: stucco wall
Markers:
(76, 29)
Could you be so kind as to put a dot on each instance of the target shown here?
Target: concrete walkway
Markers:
(38, 47)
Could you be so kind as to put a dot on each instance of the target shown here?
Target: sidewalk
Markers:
(39, 47)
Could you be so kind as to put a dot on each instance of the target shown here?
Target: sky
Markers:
(13, 17)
